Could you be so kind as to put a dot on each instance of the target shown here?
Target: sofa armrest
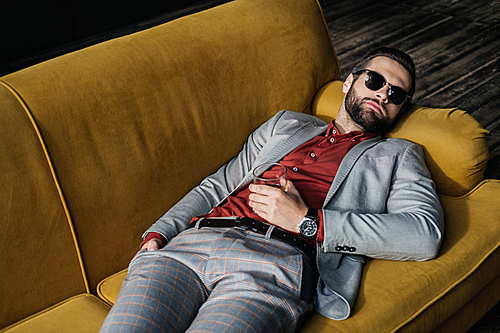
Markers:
(454, 143)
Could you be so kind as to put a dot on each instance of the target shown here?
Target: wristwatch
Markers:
(309, 225)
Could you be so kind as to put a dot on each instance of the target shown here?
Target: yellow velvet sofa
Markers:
(97, 144)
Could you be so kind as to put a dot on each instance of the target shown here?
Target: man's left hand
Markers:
(283, 208)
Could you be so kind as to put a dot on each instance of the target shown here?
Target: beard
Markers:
(371, 121)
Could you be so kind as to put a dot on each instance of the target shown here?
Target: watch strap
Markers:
(312, 213)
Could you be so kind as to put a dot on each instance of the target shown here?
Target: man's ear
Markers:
(347, 84)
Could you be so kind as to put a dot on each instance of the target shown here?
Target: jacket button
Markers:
(352, 249)
(338, 248)
(345, 248)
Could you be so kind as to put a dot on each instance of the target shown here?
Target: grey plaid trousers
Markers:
(215, 280)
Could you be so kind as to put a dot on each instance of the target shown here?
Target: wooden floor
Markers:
(455, 45)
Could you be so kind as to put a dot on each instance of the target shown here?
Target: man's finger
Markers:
(152, 245)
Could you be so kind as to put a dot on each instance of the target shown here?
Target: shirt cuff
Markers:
(320, 236)
(153, 235)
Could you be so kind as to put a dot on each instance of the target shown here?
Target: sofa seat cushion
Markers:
(80, 313)
(109, 288)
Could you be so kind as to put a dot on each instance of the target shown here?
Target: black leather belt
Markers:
(245, 223)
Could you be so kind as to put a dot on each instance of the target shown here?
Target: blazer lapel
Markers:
(285, 144)
(347, 163)
(281, 145)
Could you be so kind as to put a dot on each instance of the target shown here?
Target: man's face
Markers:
(370, 109)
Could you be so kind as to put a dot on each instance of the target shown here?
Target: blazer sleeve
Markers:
(216, 187)
(398, 217)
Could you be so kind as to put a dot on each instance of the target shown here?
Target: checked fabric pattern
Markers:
(215, 280)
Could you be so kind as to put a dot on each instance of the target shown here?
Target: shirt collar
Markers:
(333, 130)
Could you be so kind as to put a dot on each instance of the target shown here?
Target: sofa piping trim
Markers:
(328, 34)
(465, 276)
(54, 177)
(99, 287)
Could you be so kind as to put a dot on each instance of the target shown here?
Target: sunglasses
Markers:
(375, 81)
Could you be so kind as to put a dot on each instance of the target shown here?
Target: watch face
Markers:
(308, 228)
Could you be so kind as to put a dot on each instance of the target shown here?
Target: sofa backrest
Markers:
(132, 124)
(454, 143)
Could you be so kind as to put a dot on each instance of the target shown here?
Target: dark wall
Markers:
(34, 30)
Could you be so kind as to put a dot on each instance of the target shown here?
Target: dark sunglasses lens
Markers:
(374, 81)
(397, 95)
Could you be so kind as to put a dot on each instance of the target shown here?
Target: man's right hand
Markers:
(152, 245)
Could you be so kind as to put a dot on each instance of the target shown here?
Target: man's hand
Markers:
(152, 245)
(284, 209)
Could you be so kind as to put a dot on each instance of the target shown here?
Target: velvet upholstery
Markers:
(78, 314)
(39, 263)
(99, 143)
(125, 115)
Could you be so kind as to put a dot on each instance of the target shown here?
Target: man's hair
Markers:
(399, 56)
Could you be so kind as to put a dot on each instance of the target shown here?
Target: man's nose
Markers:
(383, 93)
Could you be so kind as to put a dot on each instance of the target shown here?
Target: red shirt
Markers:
(311, 167)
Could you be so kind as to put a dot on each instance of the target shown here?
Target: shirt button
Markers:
(313, 155)
(332, 139)
(334, 132)
(295, 169)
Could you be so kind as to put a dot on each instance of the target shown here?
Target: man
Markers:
(348, 194)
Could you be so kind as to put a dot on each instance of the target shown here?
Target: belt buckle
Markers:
(242, 223)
